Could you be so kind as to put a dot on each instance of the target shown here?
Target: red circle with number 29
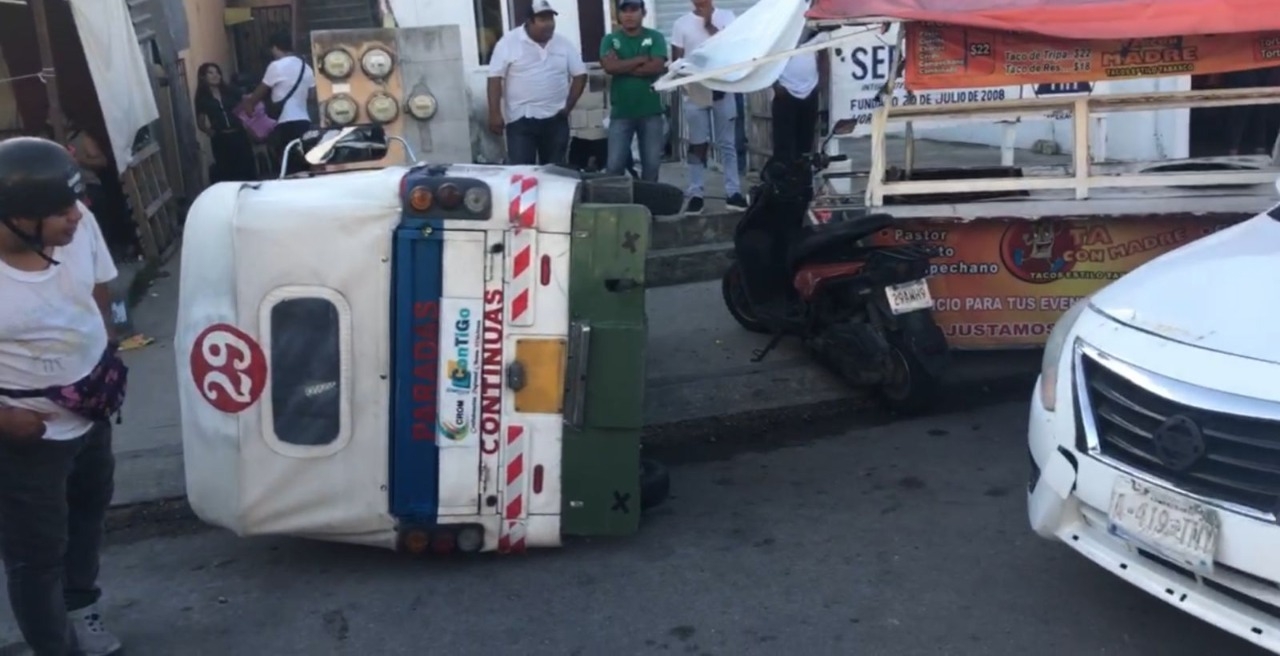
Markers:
(228, 367)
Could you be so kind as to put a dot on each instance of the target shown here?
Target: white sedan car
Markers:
(1155, 430)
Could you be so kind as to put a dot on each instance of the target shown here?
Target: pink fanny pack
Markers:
(96, 397)
(258, 124)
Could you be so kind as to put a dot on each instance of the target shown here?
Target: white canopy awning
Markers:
(751, 52)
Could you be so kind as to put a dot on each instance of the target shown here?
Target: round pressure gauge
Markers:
(422, 106)
(382, 108)
(341, 110)
(377, 63)
(337, 64)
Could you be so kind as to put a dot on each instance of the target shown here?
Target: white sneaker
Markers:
(93, 637)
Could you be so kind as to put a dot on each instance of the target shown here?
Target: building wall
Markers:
(207, 39)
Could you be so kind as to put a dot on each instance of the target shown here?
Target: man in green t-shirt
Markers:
(635, 56)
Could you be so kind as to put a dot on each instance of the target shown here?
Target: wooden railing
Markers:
(1082, 178)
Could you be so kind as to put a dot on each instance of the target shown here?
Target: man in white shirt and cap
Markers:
(535, 78)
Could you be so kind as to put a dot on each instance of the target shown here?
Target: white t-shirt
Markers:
(280, 76)
(52, 332)
(535, 77)
(800, 76)
(690, 30)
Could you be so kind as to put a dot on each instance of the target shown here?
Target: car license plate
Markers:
(909, 297)
(1170, 525)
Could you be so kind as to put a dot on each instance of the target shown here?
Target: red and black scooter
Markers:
(864, 311)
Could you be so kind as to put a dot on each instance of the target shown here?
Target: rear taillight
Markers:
(444, 542)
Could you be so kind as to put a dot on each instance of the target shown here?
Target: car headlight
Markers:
(1053, 353)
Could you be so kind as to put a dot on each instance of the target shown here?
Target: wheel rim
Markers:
(898, 383)
(738, 295)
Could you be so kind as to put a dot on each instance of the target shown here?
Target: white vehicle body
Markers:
(1155, 431)
(587, 120)
(379, 462)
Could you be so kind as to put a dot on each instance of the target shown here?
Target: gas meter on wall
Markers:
(396, 78)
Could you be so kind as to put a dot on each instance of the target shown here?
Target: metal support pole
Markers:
(47, 72)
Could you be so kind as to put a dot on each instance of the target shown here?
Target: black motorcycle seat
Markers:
(816, 239)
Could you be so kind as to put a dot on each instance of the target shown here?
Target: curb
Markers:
(690, 248)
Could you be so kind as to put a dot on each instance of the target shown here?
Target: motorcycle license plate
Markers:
(909, 297)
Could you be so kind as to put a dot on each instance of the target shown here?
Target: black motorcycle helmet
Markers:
(38, 179)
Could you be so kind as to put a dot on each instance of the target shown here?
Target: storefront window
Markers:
(306, 371)
(489, 27)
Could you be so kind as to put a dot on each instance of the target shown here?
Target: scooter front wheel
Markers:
(735, 298)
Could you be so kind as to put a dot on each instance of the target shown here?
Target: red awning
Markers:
(1071, 19)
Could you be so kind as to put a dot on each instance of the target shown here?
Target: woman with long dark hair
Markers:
(215, 115)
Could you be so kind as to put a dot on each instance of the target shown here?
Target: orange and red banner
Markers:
(1004, 283)
(951, 57)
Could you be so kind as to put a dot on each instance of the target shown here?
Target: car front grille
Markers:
(1241, 460)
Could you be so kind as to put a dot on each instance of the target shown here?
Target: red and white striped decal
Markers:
(512, 539)
(523, 217)
(523, 276)
(523, 212)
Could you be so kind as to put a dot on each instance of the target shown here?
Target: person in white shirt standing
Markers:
(535, 79)
(61, 382)
(708, 123)
(285, 88)
(796, 97)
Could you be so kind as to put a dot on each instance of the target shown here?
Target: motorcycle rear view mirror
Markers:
(842, 127)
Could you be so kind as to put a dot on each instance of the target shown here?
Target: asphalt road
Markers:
(899, 539)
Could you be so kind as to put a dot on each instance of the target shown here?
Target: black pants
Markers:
(281, 136)
(232, 157)
(538, 140)
(794, 123)
(53, 501)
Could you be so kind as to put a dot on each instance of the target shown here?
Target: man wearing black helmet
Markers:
(60, 383)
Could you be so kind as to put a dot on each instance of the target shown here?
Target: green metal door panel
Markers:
(606, 270)
(616, 376)
(604, 396)
(601, 482)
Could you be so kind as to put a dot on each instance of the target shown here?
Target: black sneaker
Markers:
(694, 206)
(737, 202)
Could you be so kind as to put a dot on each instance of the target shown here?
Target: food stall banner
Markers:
(949, 56)
(1070, 19)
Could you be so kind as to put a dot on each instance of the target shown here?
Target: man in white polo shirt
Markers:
(535, 78)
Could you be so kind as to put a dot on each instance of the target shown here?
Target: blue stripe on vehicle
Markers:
(417, 270)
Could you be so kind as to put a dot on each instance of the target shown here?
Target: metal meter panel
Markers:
(410, 80)
(345, 89)
(435, 101)
(605, 408)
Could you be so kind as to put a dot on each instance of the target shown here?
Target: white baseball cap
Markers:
(542, 7)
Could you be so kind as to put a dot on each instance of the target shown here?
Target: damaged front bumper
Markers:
(1068, 497)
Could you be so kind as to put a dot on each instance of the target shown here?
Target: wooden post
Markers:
(47, 72)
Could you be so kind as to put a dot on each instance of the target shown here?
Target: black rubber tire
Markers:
(655, 484)
(735, 298)
(915, 394)
(660, 198)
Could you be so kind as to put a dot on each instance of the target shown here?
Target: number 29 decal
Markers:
(228, 368)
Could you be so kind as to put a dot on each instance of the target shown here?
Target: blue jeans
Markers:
(538, 140)
(622, 131)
